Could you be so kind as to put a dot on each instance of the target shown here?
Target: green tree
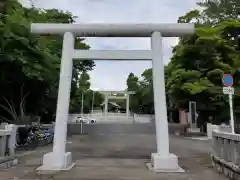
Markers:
(143, 101)
(132, 82)
(216, 11)
(135, 99)
(29, 64)
(90, 97)
(199, 61)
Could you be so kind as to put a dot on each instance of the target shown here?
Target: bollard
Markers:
(81, 126)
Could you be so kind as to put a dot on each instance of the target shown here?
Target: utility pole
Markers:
(82, 104)
(93, 100)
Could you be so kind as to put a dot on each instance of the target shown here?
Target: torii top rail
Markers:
(115, 30)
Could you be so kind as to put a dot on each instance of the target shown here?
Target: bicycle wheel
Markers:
(31, 144)
(50, 139)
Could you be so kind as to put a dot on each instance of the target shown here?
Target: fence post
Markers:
(12, 138)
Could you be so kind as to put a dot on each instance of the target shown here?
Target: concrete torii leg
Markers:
(106, 99)
(59, 159)
(106, 106)
(127, 105)
(162, 161)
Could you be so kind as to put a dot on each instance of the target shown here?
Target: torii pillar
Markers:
(108, 95)
(127, 105)
(105, 105)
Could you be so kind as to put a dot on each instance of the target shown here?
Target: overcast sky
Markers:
(112, 75)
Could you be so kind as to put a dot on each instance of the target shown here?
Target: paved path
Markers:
(117, 128)
(120, 157)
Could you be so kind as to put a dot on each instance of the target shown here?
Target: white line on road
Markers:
(199, 138)
(111, 134)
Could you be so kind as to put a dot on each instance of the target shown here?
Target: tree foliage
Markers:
(91, 99)
(30, 64)
(199, 61)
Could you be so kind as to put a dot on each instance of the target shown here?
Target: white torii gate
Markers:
(162, 161)
(109, 95)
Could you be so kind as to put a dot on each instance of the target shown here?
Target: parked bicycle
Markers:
(45, 136)
(30, 137)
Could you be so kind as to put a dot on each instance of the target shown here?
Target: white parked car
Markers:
(85, 120)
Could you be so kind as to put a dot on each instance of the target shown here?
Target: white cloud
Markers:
(109, 75)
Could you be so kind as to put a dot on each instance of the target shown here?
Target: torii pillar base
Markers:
(164, 163)
(51, 163)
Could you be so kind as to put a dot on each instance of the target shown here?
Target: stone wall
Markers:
(225, 154)
(211, 128)
(120, 128)
(221, 128)
(7, 146)
(111, 117)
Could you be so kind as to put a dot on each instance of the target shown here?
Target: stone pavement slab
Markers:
(120, 158)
